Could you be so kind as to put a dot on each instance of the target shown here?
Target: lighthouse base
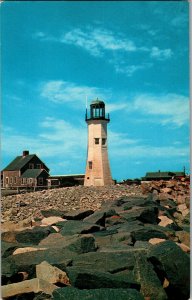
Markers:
(98, 182)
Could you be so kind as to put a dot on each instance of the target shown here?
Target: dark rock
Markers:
(8, 248)
(31, 296)
(52, 213)
(83, 244)
(152, 231)
(142, 245)
(33, 236)
(97, 217)
(28, 296)
(143, 214)
(78, 227)
(26, 262)
(56, 240)
(142, 202)
(150, 284)
(146, 234)
(97, 294)
(172, 263)
(108, 231)
(105, 261)
(76, 243)
(77, 214)
(115, 240)
(129, 201)
(91, 279)
(128, 227)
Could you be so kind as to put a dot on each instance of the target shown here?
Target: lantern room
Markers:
(97, 111)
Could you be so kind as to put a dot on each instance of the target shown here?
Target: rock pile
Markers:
(171, 194)
(131, 248)
(16, 208)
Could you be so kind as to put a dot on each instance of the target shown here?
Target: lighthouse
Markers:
(97, 167)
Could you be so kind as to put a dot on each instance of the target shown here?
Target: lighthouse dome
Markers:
(97, 102)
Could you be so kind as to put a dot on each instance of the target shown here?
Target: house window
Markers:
(104, 142)
(96, 141)
(40, 181)
(90, 164)
(30, 180)
(11, 180)
(31, 166)
(7, 180)
(38, 166)
(24, 180)
(15, 181)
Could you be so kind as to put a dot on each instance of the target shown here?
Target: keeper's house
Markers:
(25, 170)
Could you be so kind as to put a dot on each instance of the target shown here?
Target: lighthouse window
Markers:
(96, 141)
(90, 164)
(104, 141)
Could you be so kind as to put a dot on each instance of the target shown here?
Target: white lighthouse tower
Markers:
(97, 168)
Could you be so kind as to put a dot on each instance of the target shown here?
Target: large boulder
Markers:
(97, 294)
(150, 284)
(91, 279)
(106, 261)
(26, 262)
(83, 244)
(76, 243)
(143, 214)
(78, 227)
(32, 236)
(172, 263)
(78, 214)
(98, 217)
(146, 233)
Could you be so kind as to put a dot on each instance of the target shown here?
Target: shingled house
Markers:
(25, 170)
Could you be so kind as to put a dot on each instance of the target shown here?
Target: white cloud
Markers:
(56, 137)
(169, 108)
(114, 46)
(131, 69)
(161, 54)
(67, 92)
(95, 41)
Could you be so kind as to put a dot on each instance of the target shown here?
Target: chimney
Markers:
(25, 153)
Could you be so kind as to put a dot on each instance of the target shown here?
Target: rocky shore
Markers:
(118, 242)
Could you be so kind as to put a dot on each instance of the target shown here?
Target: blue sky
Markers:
(132, 55)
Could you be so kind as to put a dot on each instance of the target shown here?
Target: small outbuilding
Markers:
(163, 175)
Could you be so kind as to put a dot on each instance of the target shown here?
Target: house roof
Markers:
(19, 162)
(32, 173)
(158, 174)
(163, 174)
(179, 173)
